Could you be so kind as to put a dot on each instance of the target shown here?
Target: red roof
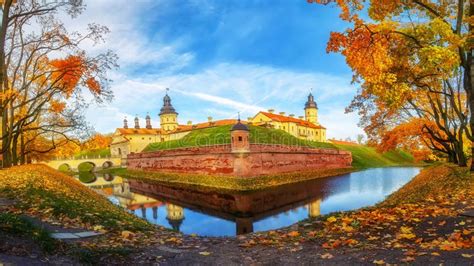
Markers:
(181, 128)
(282, 118)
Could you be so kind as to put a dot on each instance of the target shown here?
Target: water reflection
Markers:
(212, 213)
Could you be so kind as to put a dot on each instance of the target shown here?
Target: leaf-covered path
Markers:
(425, 222)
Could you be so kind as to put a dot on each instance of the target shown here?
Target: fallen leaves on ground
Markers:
(429, 226)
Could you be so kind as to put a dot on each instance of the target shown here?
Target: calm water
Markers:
(219, 214)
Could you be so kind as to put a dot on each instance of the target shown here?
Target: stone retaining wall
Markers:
(261, 159)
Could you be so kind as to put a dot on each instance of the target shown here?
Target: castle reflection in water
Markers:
(121, 192)
(214, 213)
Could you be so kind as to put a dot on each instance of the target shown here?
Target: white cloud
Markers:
(127, 37)
(225, 89)
(220, 90)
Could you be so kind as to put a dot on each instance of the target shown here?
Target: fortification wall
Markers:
(260, 160)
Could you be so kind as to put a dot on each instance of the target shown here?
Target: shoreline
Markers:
(225, 183)
(236, 184)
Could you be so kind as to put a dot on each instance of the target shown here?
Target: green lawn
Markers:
(368, 157)
(221, 135)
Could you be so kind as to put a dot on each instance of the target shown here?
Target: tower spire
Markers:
(125, 123)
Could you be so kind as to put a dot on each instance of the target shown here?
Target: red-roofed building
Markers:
(127, 140)
(306, 127)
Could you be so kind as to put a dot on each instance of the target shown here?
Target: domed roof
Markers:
(240, 126)
(167, 107)
(311, 103)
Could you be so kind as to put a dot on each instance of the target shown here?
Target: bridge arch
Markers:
(86, 166)
(65, 167)
(107, 164)
(108, 177)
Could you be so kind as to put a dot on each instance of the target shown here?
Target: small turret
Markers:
(148, 121)
(137, 122)
(240, 137)
(125, 123)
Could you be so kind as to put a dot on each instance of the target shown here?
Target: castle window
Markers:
(143, 138)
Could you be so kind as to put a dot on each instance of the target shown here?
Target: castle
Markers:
(128, 140)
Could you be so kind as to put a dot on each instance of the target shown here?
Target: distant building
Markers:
(306, 127)
(134, 139)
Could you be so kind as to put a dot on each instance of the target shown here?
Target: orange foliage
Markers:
(68, 72)
(97, 142)
(72, 71)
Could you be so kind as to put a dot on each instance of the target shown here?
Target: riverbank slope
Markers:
(417, 224)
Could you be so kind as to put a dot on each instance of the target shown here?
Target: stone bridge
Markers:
(73, 164)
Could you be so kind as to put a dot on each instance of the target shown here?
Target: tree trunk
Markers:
(462, 160)
(469, 82)
(22, 149)
(3, 108)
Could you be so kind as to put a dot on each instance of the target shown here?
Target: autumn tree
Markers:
(45, 76)
(407, 55)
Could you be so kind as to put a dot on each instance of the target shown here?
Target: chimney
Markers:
(271, 111)
(282, 113)
(301, 117)
(137, 124)
(190, 123)
(125, 123)
(292, 115)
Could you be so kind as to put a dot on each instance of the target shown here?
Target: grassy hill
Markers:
(363, 156)
(220, 135)
(368, 157)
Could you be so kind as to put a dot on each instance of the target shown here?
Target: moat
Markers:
(209, 213)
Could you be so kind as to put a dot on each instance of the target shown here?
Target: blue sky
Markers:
(220, 57)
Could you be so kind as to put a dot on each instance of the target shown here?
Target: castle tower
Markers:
(311, 110)
(148, 121)
(168, 115)
(137, 123)
(125, 123)
(239, 135)
(175, 215)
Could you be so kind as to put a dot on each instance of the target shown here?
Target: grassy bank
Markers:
(221, 135)
(368, 157)
(15, 224)
(49, 194)
(227, 183)
(442, 180)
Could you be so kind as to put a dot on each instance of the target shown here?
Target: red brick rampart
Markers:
(261, 159)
